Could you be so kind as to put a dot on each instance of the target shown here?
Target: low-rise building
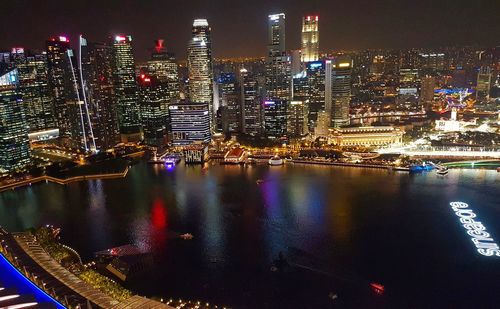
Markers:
(195, 153)
(366, 136)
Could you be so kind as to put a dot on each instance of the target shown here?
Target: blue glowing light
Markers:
(10, 276)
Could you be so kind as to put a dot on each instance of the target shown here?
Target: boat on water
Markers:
(259, 181)
(187, 236)
(419, 168)
(172, 159)
(498, 169)
(442, 171)
(275, 161)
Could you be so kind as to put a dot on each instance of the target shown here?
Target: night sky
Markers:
(239, 27)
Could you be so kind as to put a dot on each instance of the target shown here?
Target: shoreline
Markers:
(386, 167)
(46, 178)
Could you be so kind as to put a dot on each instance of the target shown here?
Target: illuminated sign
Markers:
(276, 17)
(344, 64)
(173, 107)
(18, 50)
(120, 38)
(296, 103)
(63, 39)
(269, 102)
(482, 240)
(315, 65)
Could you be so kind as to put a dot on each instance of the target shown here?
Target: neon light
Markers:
(63, 39)
(120, 38)
(10, 274)
(269, 102)
(482, 240)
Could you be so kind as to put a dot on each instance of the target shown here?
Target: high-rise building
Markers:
(341, 90)
(200, 66)
(310, 38)
(296, 61)
(34, 89)
(250, 98)
(126, 89)
(228, 87)
(97, 73)
(154, 100)
(316, 80)
(297, 124)
(190, 122)
(14, 142)
(164, 67)
(483, 83)
(278, 63)
(275, 113)
(276, 34)
(427, 91)
(62, 81)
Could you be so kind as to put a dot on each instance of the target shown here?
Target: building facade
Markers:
(200, 70)
(190, 122)
(125, 85)
(310, 38)
(14, 142)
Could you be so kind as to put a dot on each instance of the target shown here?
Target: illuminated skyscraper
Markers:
(275, 113)
(190, 122)
(230, 97)
(154, 100)
(61, 73)
(14, 142)
(427, 91)
(341, 90)
(297, 119)
(97, 60)
(34, 89)
(483, 84)
(310, 38)
(316, 98)
(163, 66)
(251, 107)
(278, 63)
(200, 66)
(126, 89)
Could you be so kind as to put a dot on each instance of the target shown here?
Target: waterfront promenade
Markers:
(61, 181)
(38, 266)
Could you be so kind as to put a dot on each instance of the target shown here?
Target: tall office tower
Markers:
(483, 84)
(97, 73)
(275, 123)
(34, 89)
(427, 91)
(251, 107)
(125, 83)
(229, 95)
(341, 90)
(310, 38)
(154, 100)
(62, 75)
(316, 79)
(377, 66)
(297, 124)
(296, 64)
(190, 122)
(432, 61)
(14, 142)
(164, 67)
(278, 64)
(200, 67)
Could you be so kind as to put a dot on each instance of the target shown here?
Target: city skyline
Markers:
(239, 29)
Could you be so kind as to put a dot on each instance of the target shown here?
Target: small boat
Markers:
(187, 236)
(377, 288)
(275, 161)
(442, 171)
(498, 169)
(259, 181)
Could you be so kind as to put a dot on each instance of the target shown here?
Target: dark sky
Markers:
(239, 27)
